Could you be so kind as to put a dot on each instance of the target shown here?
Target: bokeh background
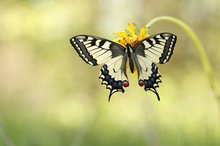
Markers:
(50, 97)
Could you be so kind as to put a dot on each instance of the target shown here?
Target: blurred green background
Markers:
(50, 97)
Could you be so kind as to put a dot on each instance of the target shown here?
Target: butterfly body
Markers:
(141, 57)
(130, 57)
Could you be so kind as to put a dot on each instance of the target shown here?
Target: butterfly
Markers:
(143, 57)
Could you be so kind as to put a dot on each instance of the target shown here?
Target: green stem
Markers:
(200, 49)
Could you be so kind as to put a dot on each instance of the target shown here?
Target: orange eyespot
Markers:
(141, 83)
(125, 83)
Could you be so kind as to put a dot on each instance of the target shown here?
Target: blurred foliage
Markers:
(50, 97)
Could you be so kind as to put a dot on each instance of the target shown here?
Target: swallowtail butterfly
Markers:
(142, 57)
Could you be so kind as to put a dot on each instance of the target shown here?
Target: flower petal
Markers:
(131, 29)
(121, 34)
(143, 33)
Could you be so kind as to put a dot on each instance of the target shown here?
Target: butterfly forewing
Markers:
(95, 50)
(157, 48)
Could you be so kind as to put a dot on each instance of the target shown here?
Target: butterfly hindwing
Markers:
(148, 75)
(113, 75)
(95, 50)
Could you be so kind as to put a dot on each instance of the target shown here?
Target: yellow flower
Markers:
(131, 35)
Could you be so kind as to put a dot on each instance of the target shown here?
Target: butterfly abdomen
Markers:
(130, 57)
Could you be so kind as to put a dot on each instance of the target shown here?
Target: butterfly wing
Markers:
(113, 75)
(154, 49)
(95, 50)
